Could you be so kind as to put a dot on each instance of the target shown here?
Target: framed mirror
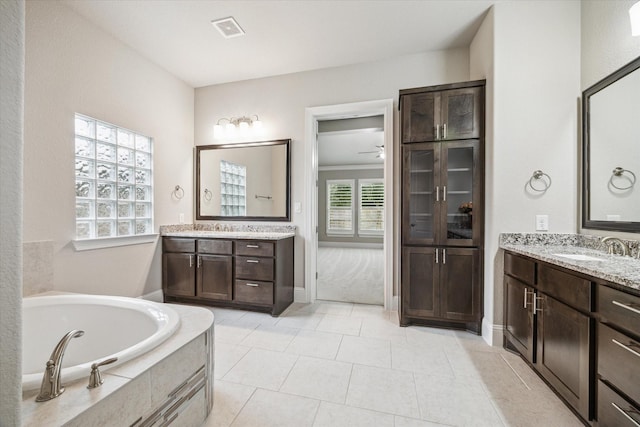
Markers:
(244, 182)
(611, 152)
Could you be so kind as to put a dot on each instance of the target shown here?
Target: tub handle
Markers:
(95, 378)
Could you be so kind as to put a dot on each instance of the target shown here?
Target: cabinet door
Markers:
(178, 278)
(420, 275)
(215, 277)
(460, 199)
(420, 114)
(460, 290)
(461, 113)
(518, 316)
(420, 193)
(563, 342)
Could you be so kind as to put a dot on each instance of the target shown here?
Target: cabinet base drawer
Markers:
(615, 411)
(254, 292)
(619, 308)
(619, 361)
(254, 268)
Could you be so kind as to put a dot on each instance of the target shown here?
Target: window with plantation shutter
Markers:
(340, 207)
(371, 207)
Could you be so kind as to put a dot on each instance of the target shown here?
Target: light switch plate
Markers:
(542, 222)
(297, 207)
(181, 216)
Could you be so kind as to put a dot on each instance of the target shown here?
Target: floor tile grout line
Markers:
(516, 373)
(243, 406)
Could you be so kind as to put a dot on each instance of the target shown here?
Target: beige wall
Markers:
(281, 101)
(72, 66)
(532, 115)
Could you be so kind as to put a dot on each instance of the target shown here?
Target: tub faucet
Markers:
(623, 245)
(51, 386)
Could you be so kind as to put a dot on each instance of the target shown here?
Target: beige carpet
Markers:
(351, 275)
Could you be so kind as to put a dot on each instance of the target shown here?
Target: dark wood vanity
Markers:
(249, 274)
(581, 334)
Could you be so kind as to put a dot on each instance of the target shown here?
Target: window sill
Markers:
(112, 242)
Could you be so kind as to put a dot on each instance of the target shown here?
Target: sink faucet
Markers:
(51, 386)
(623, 246)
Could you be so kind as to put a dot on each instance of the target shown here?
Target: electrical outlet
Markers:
(542, 222)
(297, 207)
(181, 218)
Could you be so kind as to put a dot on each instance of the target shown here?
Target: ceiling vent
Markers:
(228, 27)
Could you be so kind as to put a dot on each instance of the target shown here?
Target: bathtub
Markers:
(114, 327)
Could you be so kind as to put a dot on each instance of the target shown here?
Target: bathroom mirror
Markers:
(611, 152)
(243, 182)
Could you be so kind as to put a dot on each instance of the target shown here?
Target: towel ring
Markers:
(539, 176)
(178, 192)
(619, 172)
(208, 195)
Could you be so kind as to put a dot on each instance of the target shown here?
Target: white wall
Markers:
(536, 86)
(281, 101)
(11, 146)
(72, 66)
(607, 43)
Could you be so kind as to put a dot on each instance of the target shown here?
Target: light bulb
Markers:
(231, 129)
(382, 154)
(634, 15)
(244, 128)
(218, 131)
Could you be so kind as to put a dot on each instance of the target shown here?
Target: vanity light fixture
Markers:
(634, 15)
(243, 125)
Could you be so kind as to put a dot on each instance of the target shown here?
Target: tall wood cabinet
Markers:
(442, 205)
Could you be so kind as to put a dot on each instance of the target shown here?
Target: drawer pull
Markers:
(253, 261)
(623, 412)
(535, 304)
(190, 261)
(253, 285)
(199, 261)
(253, 246)
(626, 347)
(626, 306)
(526, 294)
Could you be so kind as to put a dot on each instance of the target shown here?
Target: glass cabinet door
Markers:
(420, 182)
(460, 183)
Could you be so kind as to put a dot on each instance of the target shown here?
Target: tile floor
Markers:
(339, 364)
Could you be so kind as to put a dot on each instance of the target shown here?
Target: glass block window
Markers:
(114, 180)
(233, 190)
(371, 206)
(340, 206)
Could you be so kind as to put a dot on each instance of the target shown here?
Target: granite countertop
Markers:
(248, 235)
(623, 271)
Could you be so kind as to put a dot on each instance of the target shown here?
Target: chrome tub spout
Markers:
(51, 386)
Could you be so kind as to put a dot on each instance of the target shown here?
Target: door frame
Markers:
(382, 107)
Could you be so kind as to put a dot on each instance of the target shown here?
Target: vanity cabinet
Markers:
(618, 356)
(549, 321)
(442, 206)
(440, 113)
(249, 274)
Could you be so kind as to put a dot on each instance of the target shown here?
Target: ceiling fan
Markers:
(379, 152)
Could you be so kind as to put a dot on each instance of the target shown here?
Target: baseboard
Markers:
(491, 333)
(300, 295)
(360, 245)
(155, 296)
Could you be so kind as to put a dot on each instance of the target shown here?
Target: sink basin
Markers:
(579, 257)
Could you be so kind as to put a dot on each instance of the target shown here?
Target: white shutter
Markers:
(371, 207)
(340, 207)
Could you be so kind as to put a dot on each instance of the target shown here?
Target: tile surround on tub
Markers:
(620, 271)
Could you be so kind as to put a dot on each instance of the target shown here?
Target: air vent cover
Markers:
(228, 27)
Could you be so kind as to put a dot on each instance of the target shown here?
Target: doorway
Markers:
(333, 118)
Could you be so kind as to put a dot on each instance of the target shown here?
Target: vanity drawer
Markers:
(178, 245)
(520, 268)
(615, 411)
(619, 308)
(254, 248)
(215, 247)
(619, 361)
(571, 289)
(254, 292)
(255, 268)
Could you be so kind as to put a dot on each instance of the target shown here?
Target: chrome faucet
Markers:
(623, 245)
(51, 386)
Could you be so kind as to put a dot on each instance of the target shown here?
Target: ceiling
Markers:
(350, 147)
(282, 37)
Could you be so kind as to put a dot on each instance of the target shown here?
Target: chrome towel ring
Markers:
(619, 172)
(208, 195)
(540, 177)
(178, 192)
